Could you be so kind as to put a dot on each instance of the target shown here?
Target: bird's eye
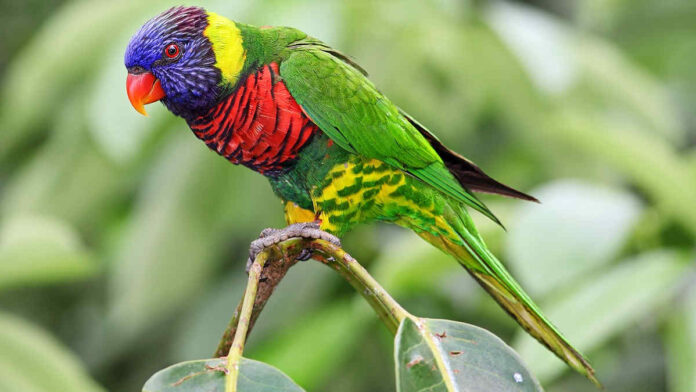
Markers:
(171, 51)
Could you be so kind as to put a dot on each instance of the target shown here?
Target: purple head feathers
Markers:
(189, 79)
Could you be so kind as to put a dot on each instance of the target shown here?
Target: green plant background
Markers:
(123, 239)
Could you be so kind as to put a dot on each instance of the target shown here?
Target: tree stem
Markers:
(276, 262)
(234, 356)
(284, 256)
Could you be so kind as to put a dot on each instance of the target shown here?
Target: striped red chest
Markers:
(260, 125)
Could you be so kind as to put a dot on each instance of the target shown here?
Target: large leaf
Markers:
(443, 355)
(33, 361)
(207, 375)
(606, 305)
(39, 250)
(578, 228)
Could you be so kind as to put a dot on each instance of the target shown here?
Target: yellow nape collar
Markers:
(227, 45)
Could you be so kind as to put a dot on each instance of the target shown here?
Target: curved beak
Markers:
(143, 88)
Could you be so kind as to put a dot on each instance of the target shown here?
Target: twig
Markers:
(282, 256)
(234, 356)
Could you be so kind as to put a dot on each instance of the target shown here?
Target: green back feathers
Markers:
(352, 112)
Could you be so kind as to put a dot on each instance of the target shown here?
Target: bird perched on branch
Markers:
(336, 151)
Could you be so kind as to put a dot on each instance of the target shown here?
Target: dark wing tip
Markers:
(467, 173)
(485, 184)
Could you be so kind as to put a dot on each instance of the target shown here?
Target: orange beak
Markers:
(142, 89)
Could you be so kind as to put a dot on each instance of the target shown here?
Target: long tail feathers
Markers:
(492, 275)
(536, 324)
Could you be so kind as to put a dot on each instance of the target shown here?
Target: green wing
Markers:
(338, 97)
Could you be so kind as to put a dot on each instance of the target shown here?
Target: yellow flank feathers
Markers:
(227, 45)
(367, 189)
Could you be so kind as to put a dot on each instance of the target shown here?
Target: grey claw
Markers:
(267, 232)
(269, 237)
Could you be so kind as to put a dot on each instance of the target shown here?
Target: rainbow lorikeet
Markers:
(336, 151)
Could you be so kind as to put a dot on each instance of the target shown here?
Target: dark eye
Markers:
(171, 51)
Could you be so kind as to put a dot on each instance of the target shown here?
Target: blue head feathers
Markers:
(174, 49)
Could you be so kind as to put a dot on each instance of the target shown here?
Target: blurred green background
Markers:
(123, 238)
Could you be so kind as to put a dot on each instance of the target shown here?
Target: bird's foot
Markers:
(308, 230)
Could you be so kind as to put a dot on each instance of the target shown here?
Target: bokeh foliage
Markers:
(122, 239)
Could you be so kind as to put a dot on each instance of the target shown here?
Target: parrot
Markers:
(336, 151)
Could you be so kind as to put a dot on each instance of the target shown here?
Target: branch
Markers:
(283, 255)
(235, 354)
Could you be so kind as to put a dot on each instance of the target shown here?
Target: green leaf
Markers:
(33, 361)
(39, 250)
(443, 355)
(578, 228)
(606, 305)
(207, 375)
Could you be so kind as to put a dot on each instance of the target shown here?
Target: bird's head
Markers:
(185, 57)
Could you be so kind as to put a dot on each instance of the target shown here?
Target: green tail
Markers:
(490, 273)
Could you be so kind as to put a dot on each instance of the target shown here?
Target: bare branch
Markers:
(283, 255)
